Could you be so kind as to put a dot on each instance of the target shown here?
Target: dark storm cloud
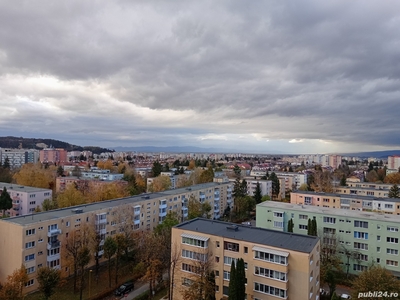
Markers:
(323, 70)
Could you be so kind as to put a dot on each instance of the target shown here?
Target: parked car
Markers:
(345, 296)
(124, 289)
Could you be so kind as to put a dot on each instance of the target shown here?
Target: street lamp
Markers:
(90, 273)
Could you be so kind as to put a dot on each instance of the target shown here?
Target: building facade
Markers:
(53, 155)
(360, 238)
(394, 162)
(18, 157)
(36, 240)
(389, 206)
(277, 264)
(25, 198)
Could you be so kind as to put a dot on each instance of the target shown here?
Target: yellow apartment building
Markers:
(278, 265)
(37, 240)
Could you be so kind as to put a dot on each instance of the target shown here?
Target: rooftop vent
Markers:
(77, 210)
(232, 227)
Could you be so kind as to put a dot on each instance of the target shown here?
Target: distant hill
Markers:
(33, 143)
(377, 154)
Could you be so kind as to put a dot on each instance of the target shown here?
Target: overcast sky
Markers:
(260, 76)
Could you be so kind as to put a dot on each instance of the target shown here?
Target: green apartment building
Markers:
(362, 238)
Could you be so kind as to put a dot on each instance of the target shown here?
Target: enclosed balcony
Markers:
(163, 204)
(185, 211)
(53, 232)
(53, 244)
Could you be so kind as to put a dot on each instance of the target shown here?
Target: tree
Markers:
(70, 197)
(156, 169)
(243, 187)
(232, 293)
(6, 164)
(159, 184)
(372, 176)
(343, 181)
(257, 193)
(394, 191)
(210, 288)
(309, 227)
(375, 278)
(106, 164)
(82, 262)
(330, 279)
(242, 207)
(60, 171)
(207, 176)
(13, 287)
(290, 225)
(321, 182)
(303, 187)
(393, 178)
(275, 185)
(110, 247)
(240, 280)
(265, 198)
(76, 172)
(48, 279)
(314, 228)
(192, 165)
(49, 204)
(35, 175)
(237, 171)
(5, 201)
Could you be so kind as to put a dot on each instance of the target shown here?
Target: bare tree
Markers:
(175, 259)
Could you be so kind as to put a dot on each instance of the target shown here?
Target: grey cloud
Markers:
(310, 69)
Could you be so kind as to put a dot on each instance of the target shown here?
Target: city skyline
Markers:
(265, 77)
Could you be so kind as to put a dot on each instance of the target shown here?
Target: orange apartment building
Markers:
(278, 265)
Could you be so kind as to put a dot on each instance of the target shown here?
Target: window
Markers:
(29, 282)
(186, 281)
(231, 246)
(32, 202)
(190, 268)
(392, 251)
(53, 263)
(194, 255)
(393, 263)
(360, 235)
(392, 228)
(40, 253)
(360, 268)
(40, 240)
(278, 259)
(361, 246)
(329, 220)
(30, 270)
(29, 257)
(361, 224)
(29, 245)
(270, 290)
(303, 227)
(216, 273)
(30, 232)
(278, 214)
(67, 223)
(246, 250)
(228, 260)
(392, 240)
(270, 273)
(40, 228)
(217, 244)
(278, 224)
(227, 275)
(194, 242)
(303, 217)
(53, 251)
(363, 257)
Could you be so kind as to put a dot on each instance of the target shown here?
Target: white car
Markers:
(345, 296)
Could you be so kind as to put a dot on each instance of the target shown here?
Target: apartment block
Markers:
(53, 155)
(394, 162)
(25, 198)
(292, 180)
(362, 238)
(369, 185)
(362, 191)
(37, 240)
(18, 157)
(335, 161)
(389, 206)
(265, 185)
(278, 265)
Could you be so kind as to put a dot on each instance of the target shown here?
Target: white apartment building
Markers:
(18, 157)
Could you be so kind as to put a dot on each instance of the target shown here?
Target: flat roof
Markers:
(350, 196)
(22, 188)
(67, 211)
(330, 211)
(257, 235)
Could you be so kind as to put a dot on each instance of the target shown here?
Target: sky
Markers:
(278, 76)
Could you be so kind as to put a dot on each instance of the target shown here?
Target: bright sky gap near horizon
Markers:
(261, 76)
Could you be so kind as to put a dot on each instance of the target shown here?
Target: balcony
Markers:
(137, 212)
(136, 221)
(53, 245)
(100, 253)
(53, 257)
(103, 231)
(101, 221)
(185, 211)
(202, 197)
(216, 207)
(162, 213)
(53, 232)
(216, 215)
(163, 204)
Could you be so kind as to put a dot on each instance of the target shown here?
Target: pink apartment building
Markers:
(51, 155)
